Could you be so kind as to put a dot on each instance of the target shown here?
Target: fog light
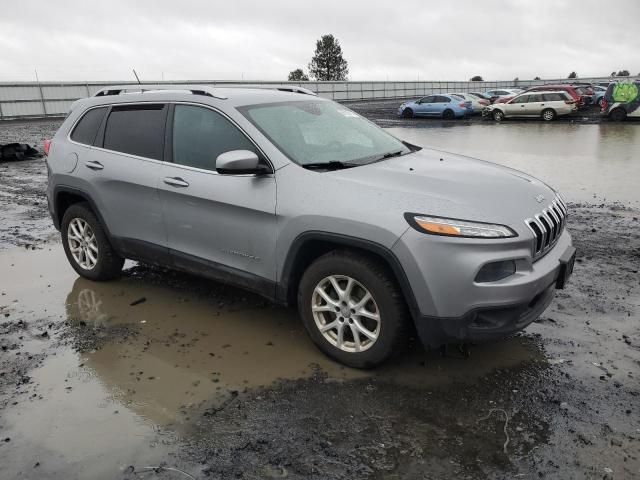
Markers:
(495, 271)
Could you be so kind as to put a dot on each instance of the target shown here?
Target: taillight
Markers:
(47, 146)
(483, 102)
(462, 104)
(604, 105)
(569, 101)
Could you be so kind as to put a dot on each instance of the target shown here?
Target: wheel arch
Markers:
(309, 246)
(65, 196)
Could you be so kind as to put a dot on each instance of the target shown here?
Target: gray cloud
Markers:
(403, 40)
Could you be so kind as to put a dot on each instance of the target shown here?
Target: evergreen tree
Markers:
(327, 62)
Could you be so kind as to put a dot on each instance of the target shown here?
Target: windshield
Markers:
(315, 131)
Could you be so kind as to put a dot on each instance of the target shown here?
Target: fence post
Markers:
(44, 106)
(1, 116)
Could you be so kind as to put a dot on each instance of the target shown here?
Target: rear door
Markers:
(224, 225)
(123, 171)
(440, 104)
(535, 105)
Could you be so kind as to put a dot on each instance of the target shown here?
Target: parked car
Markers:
(477, 103)
(579, 97)
(482, 95)
(368, 235)
(496, 94)
(442, 106)
(598, 94)
(545, 104)
(622, 100)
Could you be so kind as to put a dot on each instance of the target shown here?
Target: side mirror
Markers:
(240, 162)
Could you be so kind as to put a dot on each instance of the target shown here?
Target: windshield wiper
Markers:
(332, 165)
(387, 155)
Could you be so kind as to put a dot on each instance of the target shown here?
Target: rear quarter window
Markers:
(136, 130)
(86, 129)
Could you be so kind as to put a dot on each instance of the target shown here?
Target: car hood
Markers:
(440, 183)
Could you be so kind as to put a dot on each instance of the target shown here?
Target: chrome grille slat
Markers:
(547, 226)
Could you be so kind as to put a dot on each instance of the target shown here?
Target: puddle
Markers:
(140, 356)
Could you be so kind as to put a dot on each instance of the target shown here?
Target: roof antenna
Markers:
(138, 79)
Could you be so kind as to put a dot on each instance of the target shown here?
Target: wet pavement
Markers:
(166, 375)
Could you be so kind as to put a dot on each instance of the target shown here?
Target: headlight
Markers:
(454, 227)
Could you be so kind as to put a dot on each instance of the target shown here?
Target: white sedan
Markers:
(477, 103)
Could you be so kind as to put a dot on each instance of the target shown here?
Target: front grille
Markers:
(547, 226)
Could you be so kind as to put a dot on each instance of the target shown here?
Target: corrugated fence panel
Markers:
(25, 99)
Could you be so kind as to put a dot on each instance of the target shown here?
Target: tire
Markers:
(548, 114)
(617, 114)
(407, 113)
(498, 115)
(83, 233)
(448, 114)
(387, 335)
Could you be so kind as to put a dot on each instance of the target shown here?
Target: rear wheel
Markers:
(86, 244)
(617, 114)
(448, 114)
(407, 113)
(498, 115)
(352, 309)
(548, 114)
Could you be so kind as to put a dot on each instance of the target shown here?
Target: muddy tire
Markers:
(618, 114)
(548, 114)
(497, 115)
(86, 244)
(448, 114)
(407, 113)
(353, 309)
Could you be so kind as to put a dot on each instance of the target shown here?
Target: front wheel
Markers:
(352, 309)
(498, 116)
(548, 114)
(86, 244)
(617, 114)
(407, 113)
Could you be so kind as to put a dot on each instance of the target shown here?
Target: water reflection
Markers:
(587, 163)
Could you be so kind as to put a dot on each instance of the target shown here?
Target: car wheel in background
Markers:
(548, 114)
(617, 114)
(448, 114)
(407, 113)
(353, 309)
(86, 244)
(498, 115)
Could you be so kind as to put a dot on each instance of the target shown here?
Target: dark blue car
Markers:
(442, 106)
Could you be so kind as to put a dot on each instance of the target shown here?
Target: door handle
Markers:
(93, 165)
(176, 182)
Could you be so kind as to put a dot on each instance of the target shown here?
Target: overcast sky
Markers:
(265, 39)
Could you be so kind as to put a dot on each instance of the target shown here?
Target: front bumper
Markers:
(452, 307)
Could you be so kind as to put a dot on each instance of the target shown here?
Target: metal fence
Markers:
(51, 99)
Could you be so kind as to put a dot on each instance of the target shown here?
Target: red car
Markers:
(578, 92)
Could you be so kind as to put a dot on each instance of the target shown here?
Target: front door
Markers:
(224, 225)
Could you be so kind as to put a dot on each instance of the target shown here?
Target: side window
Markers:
(86, 129)
(535, 98)
(428, 99)
(136, 130)
(521, 99)
(442, 99)
(552, 97)
(200, 135)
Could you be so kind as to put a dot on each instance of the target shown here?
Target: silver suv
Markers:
(304, 201)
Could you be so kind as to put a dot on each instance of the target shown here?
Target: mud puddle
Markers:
(124, 365)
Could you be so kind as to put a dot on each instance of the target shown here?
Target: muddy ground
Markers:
(165, 375)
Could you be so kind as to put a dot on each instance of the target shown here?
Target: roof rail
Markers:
(206, 90)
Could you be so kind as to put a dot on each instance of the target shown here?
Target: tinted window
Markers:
(442, 99)
(428, 99)
(87, 128)
(137, 130)
(553, 97)
(200, 135)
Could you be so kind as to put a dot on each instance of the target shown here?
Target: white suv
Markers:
(545, 105)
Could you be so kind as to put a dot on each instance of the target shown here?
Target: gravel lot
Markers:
(198, 379)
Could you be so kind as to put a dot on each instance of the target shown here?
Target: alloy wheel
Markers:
(83, 244)
(345, 313)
